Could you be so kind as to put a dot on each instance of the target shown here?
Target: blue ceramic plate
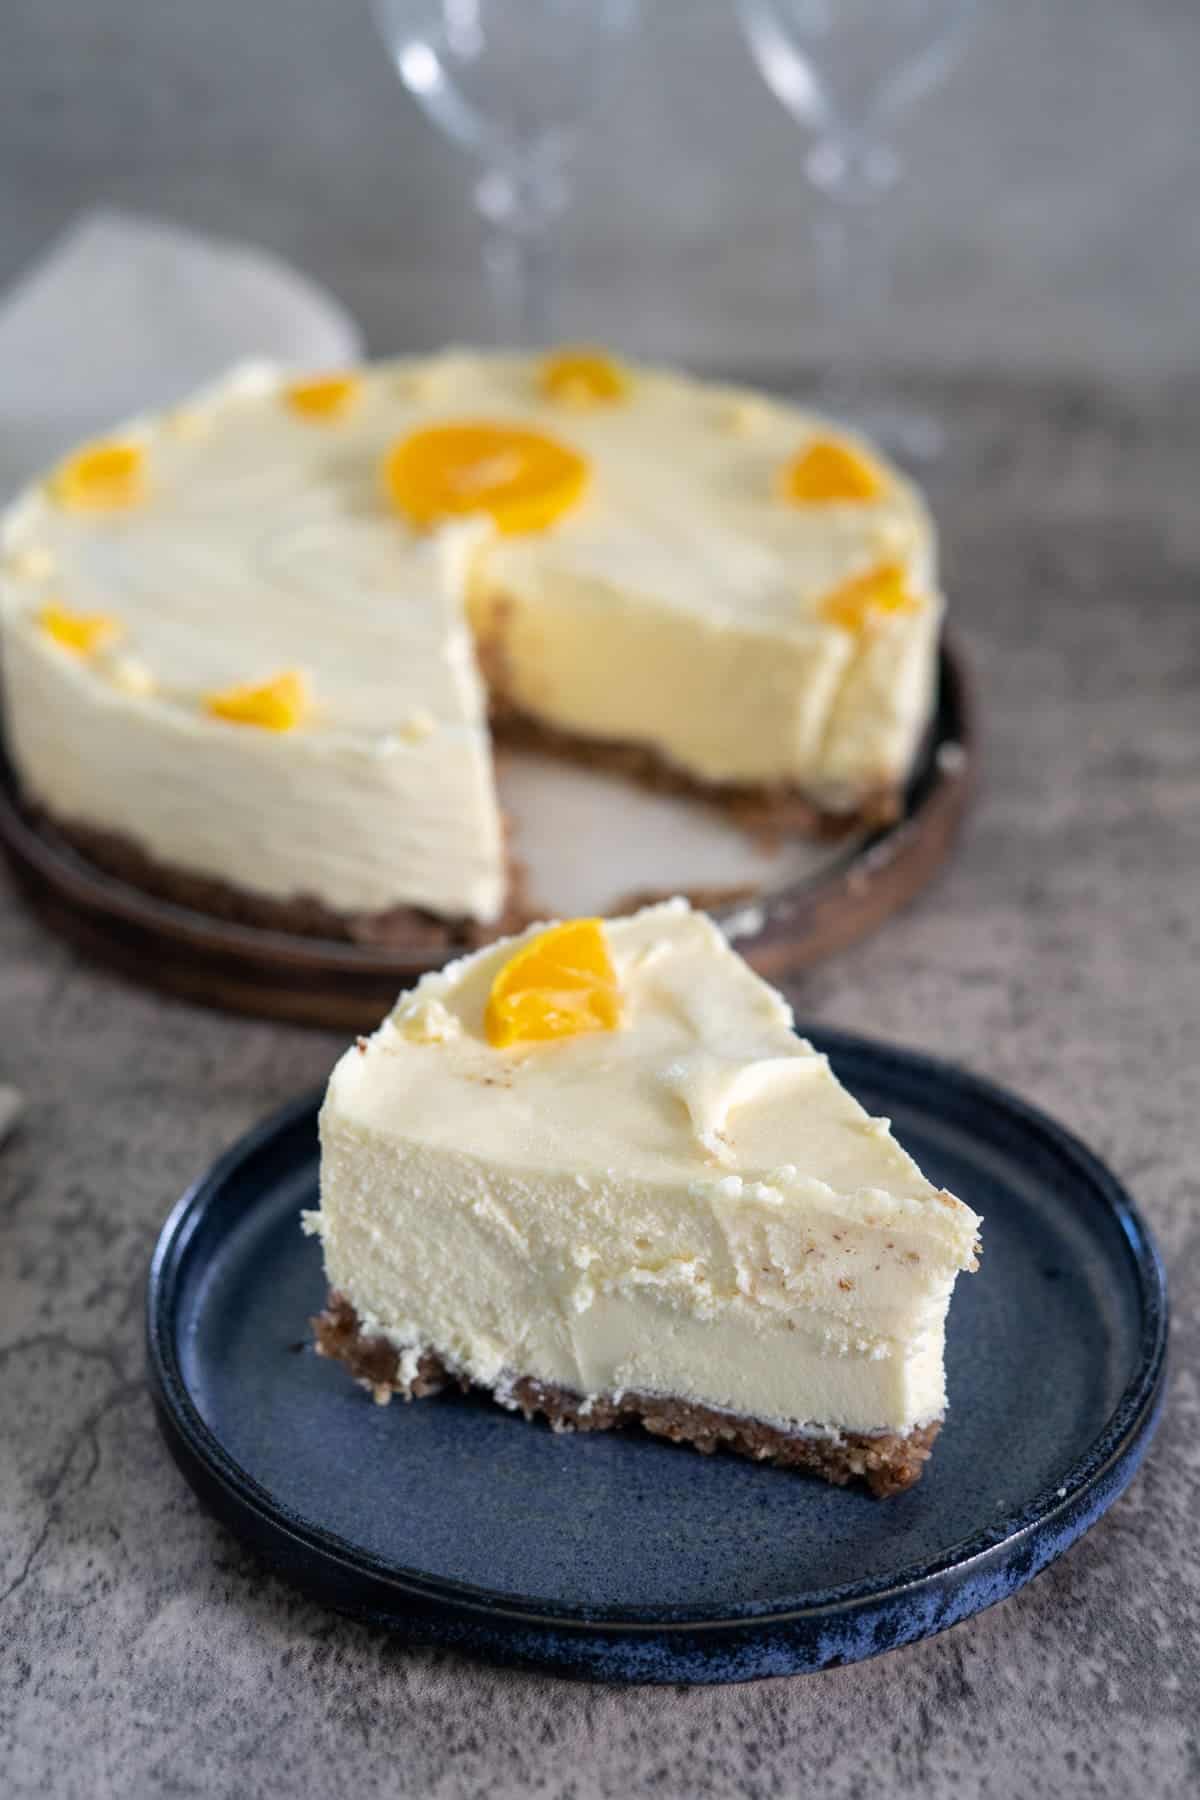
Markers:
(623, 1558)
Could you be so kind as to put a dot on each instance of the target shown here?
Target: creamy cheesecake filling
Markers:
(690, 1206)
(734, 705)
(323, 814)
(678, 605)
(887, 1461)
(469, 1283)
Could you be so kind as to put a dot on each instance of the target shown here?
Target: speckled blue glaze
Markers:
(617, 1557)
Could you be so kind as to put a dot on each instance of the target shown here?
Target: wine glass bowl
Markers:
(513, 82)
(847, 71)
(857, 61)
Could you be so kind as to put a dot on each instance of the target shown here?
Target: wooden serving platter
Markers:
(796, 917)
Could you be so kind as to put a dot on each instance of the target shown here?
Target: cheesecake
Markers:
(258, 651)
(593, 1171)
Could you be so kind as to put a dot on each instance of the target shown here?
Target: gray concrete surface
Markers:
(144, 1654)
(1048, 225)
(1049, 217)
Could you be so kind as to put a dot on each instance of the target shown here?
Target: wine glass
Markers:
(847, 70)
(512, 81)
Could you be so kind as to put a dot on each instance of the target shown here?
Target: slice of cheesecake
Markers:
(593, 1170)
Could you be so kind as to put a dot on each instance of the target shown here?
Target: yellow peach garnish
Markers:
(276, 705)
(522, 479)
(584, 377)
(80, 633)
(322, 397)
(878, 591)
(560, 984)
(102, 477)
(830, 470)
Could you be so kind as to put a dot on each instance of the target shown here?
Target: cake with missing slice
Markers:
(593, 1170)
(256, 653)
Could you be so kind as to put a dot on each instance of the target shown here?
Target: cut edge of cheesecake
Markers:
(887, 1461)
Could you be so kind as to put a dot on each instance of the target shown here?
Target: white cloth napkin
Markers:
(124, 313)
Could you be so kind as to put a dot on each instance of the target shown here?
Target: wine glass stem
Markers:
(521, 203)
(852, 257)
(520, 267)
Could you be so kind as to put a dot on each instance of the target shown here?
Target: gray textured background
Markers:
(1050, 224)
(1050, 216)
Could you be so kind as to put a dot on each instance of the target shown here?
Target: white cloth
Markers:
(124, 313)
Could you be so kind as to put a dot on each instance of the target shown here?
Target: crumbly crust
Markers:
(888, 1462)
(399, 928)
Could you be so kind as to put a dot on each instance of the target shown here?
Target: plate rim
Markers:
(1118, 1446)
